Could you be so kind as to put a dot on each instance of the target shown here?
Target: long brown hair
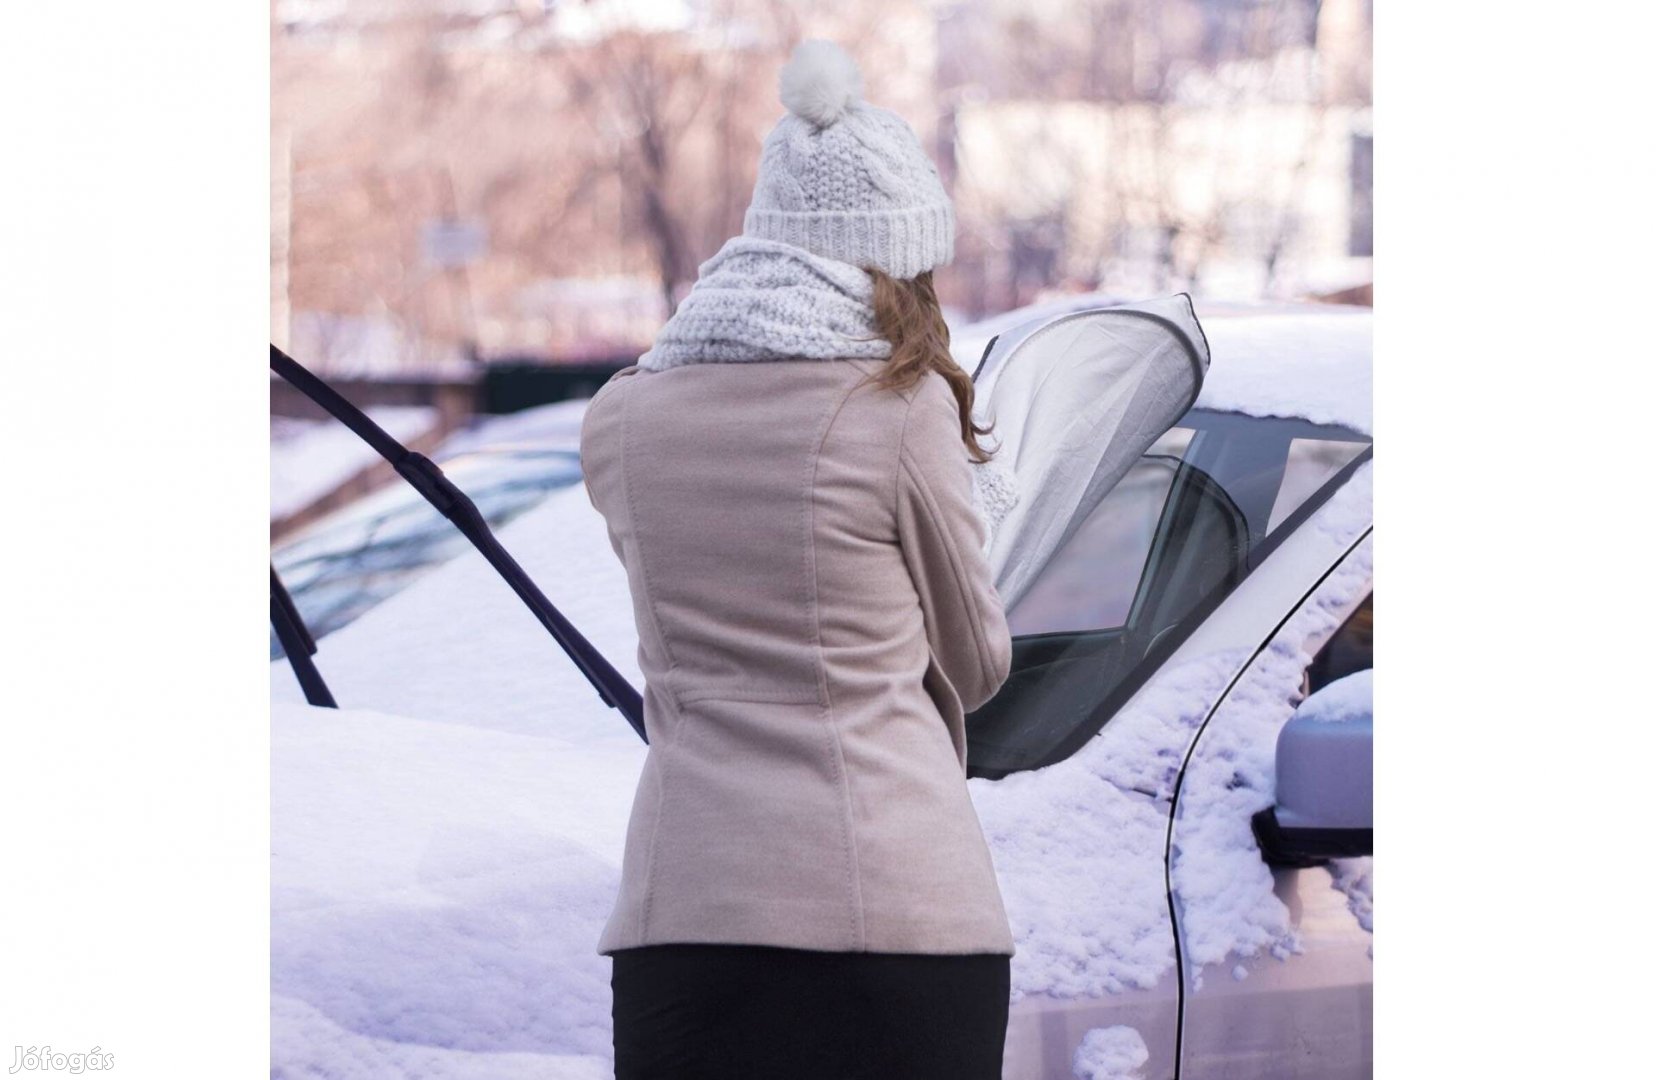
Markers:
(908, 315)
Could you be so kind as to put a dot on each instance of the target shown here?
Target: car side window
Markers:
(1349, 651)
(1309, 464)
(1141, 567)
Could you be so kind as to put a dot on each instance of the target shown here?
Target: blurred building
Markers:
(455, 179)
(1236, 172)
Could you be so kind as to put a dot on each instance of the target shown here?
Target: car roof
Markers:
(1317, 366)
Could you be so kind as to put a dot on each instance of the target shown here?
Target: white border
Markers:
(134, 304)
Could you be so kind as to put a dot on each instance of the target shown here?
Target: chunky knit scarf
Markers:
(762, 300)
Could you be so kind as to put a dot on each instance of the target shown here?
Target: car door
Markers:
(1276, 962)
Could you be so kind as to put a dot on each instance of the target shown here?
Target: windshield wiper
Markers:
(425, 477)
(297, 644)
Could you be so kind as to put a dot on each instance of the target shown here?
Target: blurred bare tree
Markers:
(666, 121)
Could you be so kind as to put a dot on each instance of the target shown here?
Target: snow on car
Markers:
(445, 848)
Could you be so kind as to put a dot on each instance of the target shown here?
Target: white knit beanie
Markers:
(845, 179)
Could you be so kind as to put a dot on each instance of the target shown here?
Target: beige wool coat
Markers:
(815, 615)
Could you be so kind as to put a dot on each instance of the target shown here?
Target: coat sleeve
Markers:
(942, 539)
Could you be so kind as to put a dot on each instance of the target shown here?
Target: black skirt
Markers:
(751, 1012)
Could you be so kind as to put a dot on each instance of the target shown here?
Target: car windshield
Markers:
(1184, 526)
(373, 548)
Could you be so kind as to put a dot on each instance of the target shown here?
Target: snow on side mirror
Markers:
(1324, 778)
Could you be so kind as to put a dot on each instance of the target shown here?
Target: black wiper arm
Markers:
(426, 478)
(298, 644)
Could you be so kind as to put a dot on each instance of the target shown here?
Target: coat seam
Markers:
(897, 461)
(842, 778)
(667, 649)
(756, 699)
(923, 489)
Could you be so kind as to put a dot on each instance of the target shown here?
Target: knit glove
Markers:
(994, 494)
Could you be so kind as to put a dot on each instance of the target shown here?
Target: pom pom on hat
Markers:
(820, 82)
(845, 179)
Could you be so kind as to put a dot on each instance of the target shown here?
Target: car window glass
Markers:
(1089, 583)
(1310, 464)
(1349, 651)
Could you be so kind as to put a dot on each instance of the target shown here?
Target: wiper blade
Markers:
(423, 475)
(297, 644)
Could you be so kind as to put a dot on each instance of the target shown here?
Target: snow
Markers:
(1342, 701)
(1314, 367)
(458, 646)
(1355, 878)
(439, 884)
(436, 895)
(1351, 510)
(309, 458)
(304, 1043)
(1110, 1053)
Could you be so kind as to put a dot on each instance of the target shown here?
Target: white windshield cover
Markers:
(1075, 400)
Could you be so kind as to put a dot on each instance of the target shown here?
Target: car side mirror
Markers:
(1324, 778)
